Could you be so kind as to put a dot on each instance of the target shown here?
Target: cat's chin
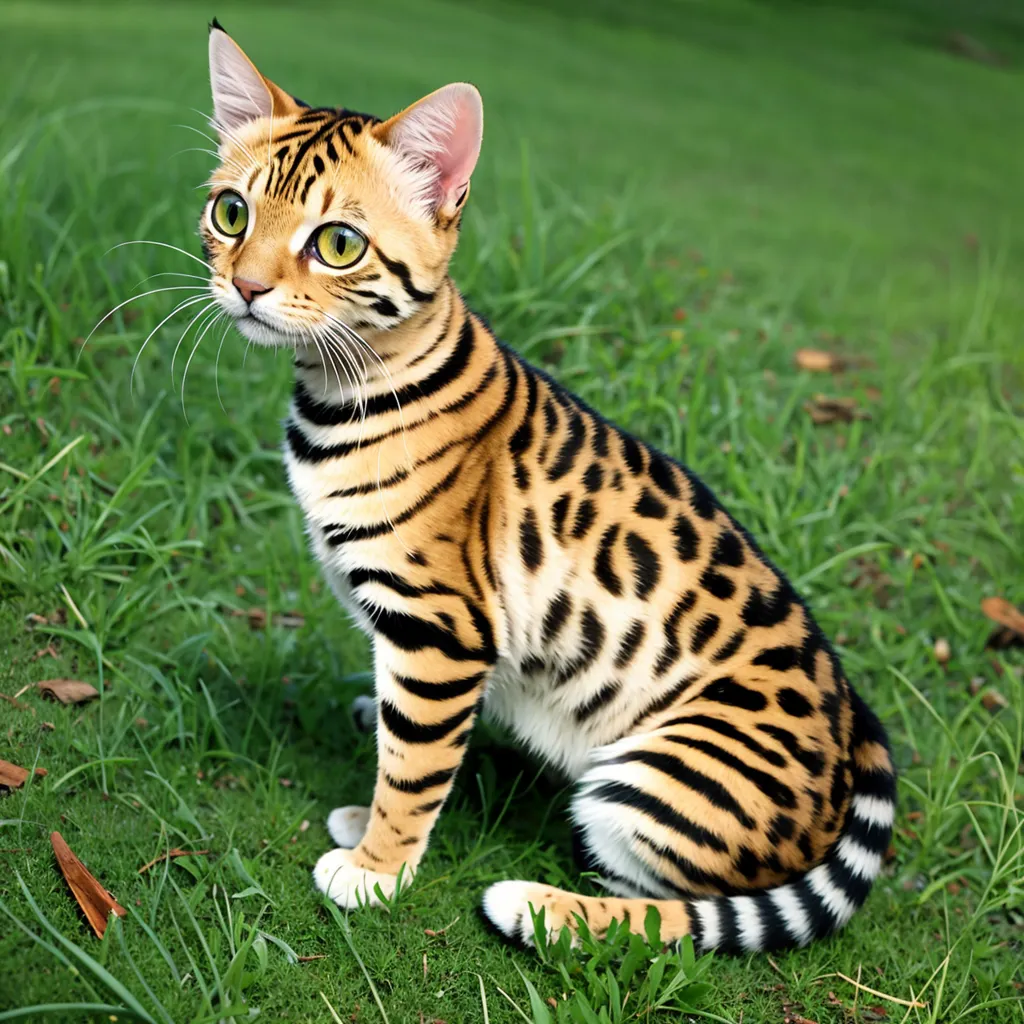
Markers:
(262, 334)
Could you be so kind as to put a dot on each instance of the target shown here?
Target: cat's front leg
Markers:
(428, 694)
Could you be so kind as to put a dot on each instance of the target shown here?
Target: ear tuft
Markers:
(215, 24)
(440, 137)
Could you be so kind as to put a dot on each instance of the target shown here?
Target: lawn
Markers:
(674, 199)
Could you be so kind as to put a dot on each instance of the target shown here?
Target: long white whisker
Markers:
(171, 273)
(134, 298)
(163, 245)
(344, 349)
(206, 309)
(174, 312)
(216, 365)
(195, 348)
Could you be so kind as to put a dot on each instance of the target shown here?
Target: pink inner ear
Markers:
(443, 132)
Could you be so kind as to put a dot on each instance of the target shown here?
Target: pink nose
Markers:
(249, 290)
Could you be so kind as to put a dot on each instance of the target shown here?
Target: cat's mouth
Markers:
(260, 332)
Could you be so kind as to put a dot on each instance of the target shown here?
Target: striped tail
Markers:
(807, 907)
(823, 899)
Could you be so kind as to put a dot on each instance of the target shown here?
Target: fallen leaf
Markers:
(169, 855)
(68, 691)
(258, 618)
(818, 361)
(49, 651)
(991, 699)
(97, 904)
(825, 409)
(13, 776)
(1009, 619)
(942, 650)
(310, 959)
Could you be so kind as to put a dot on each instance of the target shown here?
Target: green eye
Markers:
(338, 245)
(230, 214)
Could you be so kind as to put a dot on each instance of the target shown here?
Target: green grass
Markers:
(666, 211)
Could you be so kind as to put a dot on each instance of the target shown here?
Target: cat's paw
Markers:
(364, 713)
(347, 825)
(339, 878)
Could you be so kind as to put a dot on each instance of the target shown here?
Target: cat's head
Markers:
(319, 217)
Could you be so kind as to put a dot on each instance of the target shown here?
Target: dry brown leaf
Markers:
(97, 904)
(13, 776)
(170, 854)
(825, 409)
(258, 618)
(991, 699)
(310, 959)
(68, 691)
(818, 361)
(1009, 619)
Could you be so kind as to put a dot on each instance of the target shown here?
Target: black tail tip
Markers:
(216, 26)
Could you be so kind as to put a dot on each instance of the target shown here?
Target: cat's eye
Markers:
(338, 245)
(230, 214)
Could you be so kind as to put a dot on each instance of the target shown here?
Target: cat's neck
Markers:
(369, 363)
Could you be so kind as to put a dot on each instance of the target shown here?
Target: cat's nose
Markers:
(249, 290)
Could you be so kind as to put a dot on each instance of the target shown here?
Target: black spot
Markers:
(762, 612)
(417, 557)
(318, 164)
(812, 760)
(522, 476)
(633, 638)
(602, 698)
(703, 632)
(649, 506)
(793, 702)
(779, 659)
(555, 617)
(687, 541)
(550, 416)
(730, 647)
(617, 480)
(529, 541)
(781, 827)
(830, 707)
(671, 651)
(593, 478)
(701, 499)
(566, 457)
(747, 863)
(603, 562)
(600, 436)
(727, 691)
(840, 786)
(558, 514)
(592, 640)
(718, 585)
(664, 477)
(728, 550)
(385, 307)
(584, 519)
(804, 842)
(646, 566)
(631, 453)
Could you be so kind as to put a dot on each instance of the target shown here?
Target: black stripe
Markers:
(666, 700)
(616, 792)
(530, 547)
(409, 731)
(566, 457)
(555, 617)
(727, 550)
(776, 791)
(767, 612)
(592, 635)
(730, 647)
(695, 876)
(439, 691)
(603, 562)
(321, 132)
(856, 887)
(725, 690)
(584, 519)
(671, 651)
(774, 934)
(713, 791)
(703, 632)
(778, 659)
(521, 440)
(558, 514)
(401, 271)
(687, 541)
(400, 585)
(812, 760)
(701, 499)
(661, 472)
(728, 924)
(633, 638)
(650, 507)
(424, 782)
(339, 533)
(409, 633)
(821, 921)
(599, 700)
(717, 585)
(631, 453)
(723, 728)
(646, 566)
(871, 836)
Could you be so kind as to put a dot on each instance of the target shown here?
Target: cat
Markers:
(512, 552)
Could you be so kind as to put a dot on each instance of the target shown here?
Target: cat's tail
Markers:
(807, 907)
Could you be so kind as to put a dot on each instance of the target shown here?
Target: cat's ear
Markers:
(240, 93)
(439, 138)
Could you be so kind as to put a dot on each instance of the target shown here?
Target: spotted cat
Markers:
(513, 553)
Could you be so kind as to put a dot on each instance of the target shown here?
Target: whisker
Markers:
(203, 312)
(171, 273)
(163, 245)
(195, 348)
(134, 298)
(216, 365)
(177, 309)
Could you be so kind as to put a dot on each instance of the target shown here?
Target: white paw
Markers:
(347, 825)
(506, 905)
(364, 713)
(348, 885)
